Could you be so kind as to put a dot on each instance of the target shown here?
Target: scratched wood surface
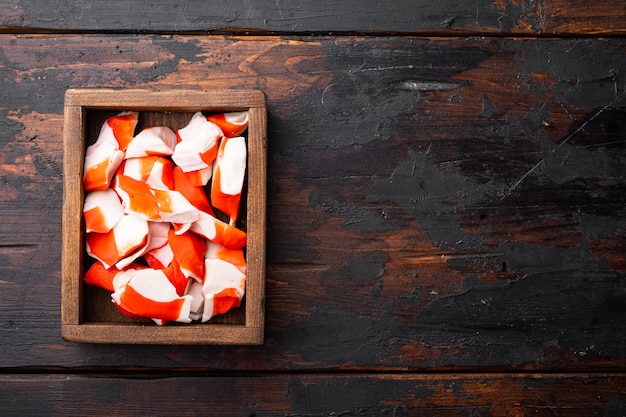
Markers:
(449, 17)
(437, 205)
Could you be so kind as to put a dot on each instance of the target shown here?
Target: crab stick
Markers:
(223, 288)
(193, 193)
(137, 197)
(156, 171)
(188, 249)
(159, 258)
(198, 144)
(235, 257)
(101, 161)
(122, 127)
(102, 210)
(200, 177)
(156, 140)
(232, 123)
(219, 232)
(228, 176)
(127, 236)
(174, 207)
(149, 293)
(100, 276)
(178, 279)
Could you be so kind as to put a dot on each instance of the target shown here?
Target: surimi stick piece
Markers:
(122, 126)
(232, 256)
(232, 123)
(156, 171)
(106, 154)
(127, 236)
(223, 288)
(188, 249)
(217, 231)
(102, 210)
(99, 275)
(228, 176)
(197, 147)
(101, 161)
(150, 294)
(193, 193)
(156, 140)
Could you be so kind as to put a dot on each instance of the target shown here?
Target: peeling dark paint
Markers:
(433, 197)
(584, 79)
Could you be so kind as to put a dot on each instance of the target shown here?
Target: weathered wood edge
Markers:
(73, 194)
(256, 253)
(138, 99)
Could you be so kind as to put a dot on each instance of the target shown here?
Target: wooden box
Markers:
(88, 315)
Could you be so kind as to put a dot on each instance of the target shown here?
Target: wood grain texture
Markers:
(432, 203)
(544, 17)
(496, 395)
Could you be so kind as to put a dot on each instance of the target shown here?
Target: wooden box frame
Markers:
(84, 110)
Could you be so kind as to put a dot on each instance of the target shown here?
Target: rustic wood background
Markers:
(446, 205)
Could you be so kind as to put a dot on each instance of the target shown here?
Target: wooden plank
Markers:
(452, 17)
(314, 395)
(432, 203)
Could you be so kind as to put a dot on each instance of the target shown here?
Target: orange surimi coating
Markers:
(137, 197)
(194, 194)
(177, 277)
(123, 126)
(100, 276)
(188, 249)
(232, 124)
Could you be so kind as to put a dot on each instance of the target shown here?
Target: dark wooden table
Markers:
(446, 205)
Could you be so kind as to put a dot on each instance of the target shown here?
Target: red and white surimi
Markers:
(157, 140)
(223, 288)
(106, 154)
(232, 123)
(102, 210)
(130, 234)
(150, 225)
(149, 293)
(228, 176)
(198, 143)
(219, 232)
(156, 171)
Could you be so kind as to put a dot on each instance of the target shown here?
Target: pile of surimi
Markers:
(151, 226)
